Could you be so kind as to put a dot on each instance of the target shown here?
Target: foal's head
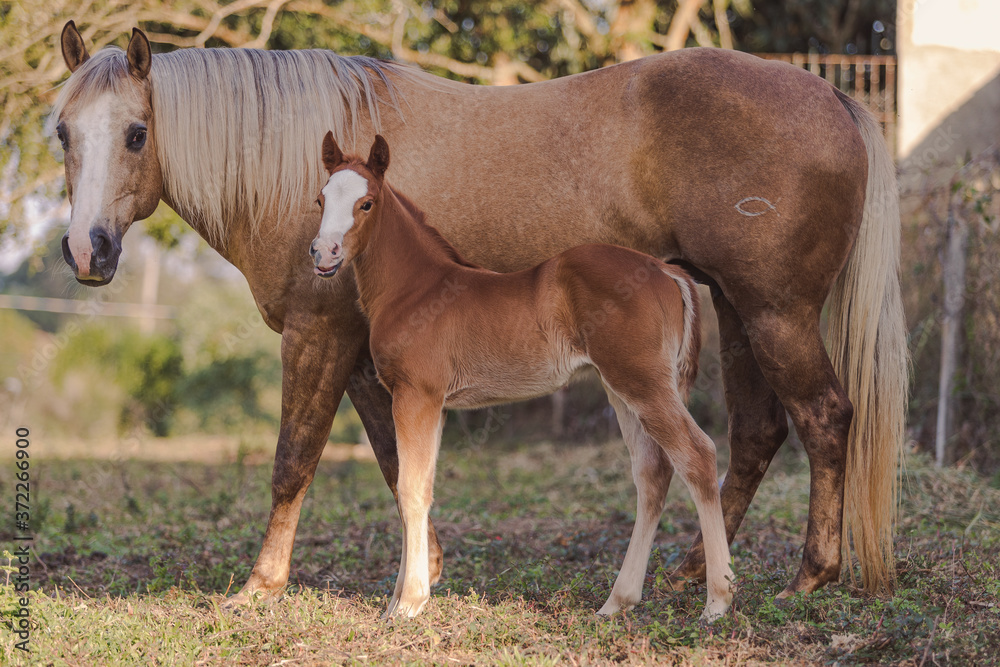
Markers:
(349, 200)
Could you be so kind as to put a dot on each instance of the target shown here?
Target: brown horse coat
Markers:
(508, 336)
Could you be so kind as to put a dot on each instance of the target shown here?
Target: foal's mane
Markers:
(238, 130)
(432, 233)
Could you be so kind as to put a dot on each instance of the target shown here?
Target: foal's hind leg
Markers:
(651, 471)
(663, 415)
(758, 425)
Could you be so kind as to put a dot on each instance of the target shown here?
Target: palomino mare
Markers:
(510, 336)
(761, 179)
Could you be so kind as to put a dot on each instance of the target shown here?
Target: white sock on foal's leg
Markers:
(418, 428)
(719, 577)
(651, 472)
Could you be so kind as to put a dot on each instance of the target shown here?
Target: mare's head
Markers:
(350, 202)
(113, 176)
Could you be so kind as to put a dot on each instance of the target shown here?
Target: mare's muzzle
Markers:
(106, 248)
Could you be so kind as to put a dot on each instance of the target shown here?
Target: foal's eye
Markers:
(319, 203)
(367, 206)
(137, 138)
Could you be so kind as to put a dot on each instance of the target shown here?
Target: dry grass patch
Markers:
(134, 557)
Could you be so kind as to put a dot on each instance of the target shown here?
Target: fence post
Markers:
(953, 276)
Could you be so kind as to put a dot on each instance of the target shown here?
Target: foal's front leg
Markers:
(418, 420)
(374, 405)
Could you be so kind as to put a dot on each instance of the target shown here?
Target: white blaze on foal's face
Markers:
(340, 198)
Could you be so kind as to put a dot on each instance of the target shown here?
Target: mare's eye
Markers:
(137, 138)
(367, 206)
(61, 134)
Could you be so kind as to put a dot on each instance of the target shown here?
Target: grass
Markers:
(133, 559)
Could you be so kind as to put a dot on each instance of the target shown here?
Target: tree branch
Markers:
(221, 13)
(267, 25)
(388, 37)
(722, 23)
(681, 23)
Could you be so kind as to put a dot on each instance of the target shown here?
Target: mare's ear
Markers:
(378, 158)
(140, 58)
(73, 49)
(332, 157)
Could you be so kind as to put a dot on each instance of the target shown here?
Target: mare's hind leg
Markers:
(758, 425)
(418, 420)
(651, 471)
(792, 357)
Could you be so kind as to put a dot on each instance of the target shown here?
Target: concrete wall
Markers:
(949, 80)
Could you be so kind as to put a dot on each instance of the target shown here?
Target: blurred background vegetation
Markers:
(213, 367)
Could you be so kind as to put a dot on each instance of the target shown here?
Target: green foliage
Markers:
(231, 365)
(146, 368)
(19, 337)
(226, 392)
(347, 426)
(166, 227)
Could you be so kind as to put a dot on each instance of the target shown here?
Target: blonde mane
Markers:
(238, 131)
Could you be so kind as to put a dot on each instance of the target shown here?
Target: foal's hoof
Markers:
(244, 599)
(617, 604)
(677, 583)
(710, 616)
(403, 609)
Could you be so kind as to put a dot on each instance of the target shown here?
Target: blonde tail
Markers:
(867, 340)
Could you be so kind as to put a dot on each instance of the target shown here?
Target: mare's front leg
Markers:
(318, 354)
(418, 418)
(374, 405)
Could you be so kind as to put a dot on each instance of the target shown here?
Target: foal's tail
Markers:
(867, 339)
(687, 356)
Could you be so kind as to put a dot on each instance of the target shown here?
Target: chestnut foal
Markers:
(448, 334)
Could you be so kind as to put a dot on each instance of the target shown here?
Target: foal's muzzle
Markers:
(327, 261)
(106, 248)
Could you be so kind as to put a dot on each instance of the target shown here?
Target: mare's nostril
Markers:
(101, 241)
(67, 255)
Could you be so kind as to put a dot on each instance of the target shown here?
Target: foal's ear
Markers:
(332, 157)
(73, 49)
(140, 58)
(378, 158)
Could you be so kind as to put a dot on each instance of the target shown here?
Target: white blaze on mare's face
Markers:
(92, 134)
(340, 194)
